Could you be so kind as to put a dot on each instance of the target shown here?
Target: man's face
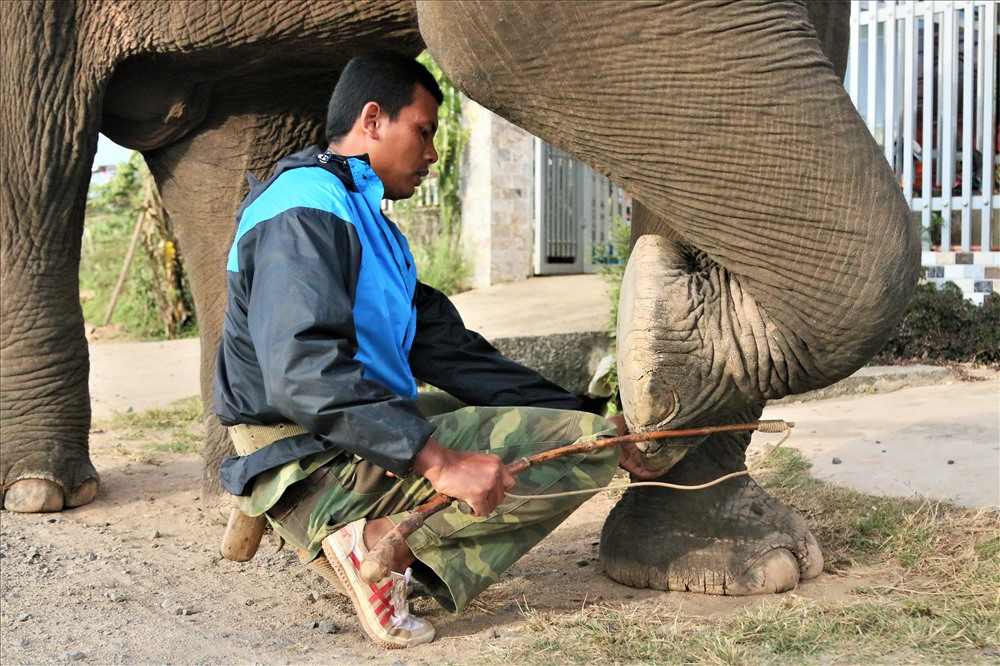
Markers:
(403, 151)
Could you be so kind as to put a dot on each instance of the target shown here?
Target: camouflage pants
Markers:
(458, 554)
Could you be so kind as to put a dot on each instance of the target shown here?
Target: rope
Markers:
(658, 484)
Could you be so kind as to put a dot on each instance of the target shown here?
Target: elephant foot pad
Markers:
(43, 496)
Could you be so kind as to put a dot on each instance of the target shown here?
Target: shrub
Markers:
(111, 214)
(440, 264)
(941, 325)
(434, 233)
(612, 269)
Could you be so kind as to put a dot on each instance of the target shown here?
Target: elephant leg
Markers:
(202, 180)
(732, 538)
(46, 403)
(773, 250)
(50, 136)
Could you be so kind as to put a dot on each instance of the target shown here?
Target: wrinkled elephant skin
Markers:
(772, 251)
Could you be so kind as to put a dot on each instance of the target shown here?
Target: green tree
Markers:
(450, 142)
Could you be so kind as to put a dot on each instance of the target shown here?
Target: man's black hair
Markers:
(390, 79)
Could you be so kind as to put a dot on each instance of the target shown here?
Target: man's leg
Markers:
(462, 554)
(308, 499)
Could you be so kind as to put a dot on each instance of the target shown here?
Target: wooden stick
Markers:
(242, 537)
(378, 563)
(125, 266)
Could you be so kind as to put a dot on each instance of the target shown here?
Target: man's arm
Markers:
(449, 356)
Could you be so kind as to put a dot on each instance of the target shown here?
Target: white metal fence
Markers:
(923, 76)
(575, 208)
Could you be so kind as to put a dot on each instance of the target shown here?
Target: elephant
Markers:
(772, 248)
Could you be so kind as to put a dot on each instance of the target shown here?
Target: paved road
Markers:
(900, 443)
(141, 375)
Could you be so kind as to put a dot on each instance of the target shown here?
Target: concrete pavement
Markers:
(142, 375)
(941, 442)
(550, 305)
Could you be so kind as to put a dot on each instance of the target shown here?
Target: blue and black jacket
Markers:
(327, 327)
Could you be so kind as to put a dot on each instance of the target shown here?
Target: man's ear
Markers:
(371, 116)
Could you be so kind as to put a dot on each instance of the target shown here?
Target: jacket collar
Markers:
(355, 172)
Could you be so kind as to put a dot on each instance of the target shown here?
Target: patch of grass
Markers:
(176, 428)
(185, 410)
(855, 528)
(941, 606)
(989, 549)
(441, 264)
(791, 630)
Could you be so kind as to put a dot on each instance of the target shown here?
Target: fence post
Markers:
(909, 101)
(988, 64)
(968, 103)
(927, 161)
(872, 73)
(946, 121)
(889, 119)
(855, 53)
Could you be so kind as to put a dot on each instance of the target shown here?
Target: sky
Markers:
(109, 152)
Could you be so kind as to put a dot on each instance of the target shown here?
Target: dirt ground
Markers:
(136, 577)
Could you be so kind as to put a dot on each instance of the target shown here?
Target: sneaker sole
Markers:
(321, 566)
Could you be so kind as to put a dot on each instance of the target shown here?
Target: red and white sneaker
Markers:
(382, 607)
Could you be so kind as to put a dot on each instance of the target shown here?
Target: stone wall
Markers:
(568, 359)
(497, 198)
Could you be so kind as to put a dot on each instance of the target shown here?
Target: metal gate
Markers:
(574, 211)
(923, 77)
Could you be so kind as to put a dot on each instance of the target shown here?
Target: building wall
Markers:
(497, 198)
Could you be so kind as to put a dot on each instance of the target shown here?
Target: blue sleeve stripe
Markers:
(303, 187)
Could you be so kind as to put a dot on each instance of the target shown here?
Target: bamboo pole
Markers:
(136, 232)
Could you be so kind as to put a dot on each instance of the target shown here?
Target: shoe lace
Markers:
(398, 597)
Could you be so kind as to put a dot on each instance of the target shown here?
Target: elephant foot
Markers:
(731, 539)
(44, 496)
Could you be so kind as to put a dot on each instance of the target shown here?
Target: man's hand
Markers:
(631, 458)
(478, 479)
(633, 461)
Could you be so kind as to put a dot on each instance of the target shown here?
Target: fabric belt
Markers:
(249, 438)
